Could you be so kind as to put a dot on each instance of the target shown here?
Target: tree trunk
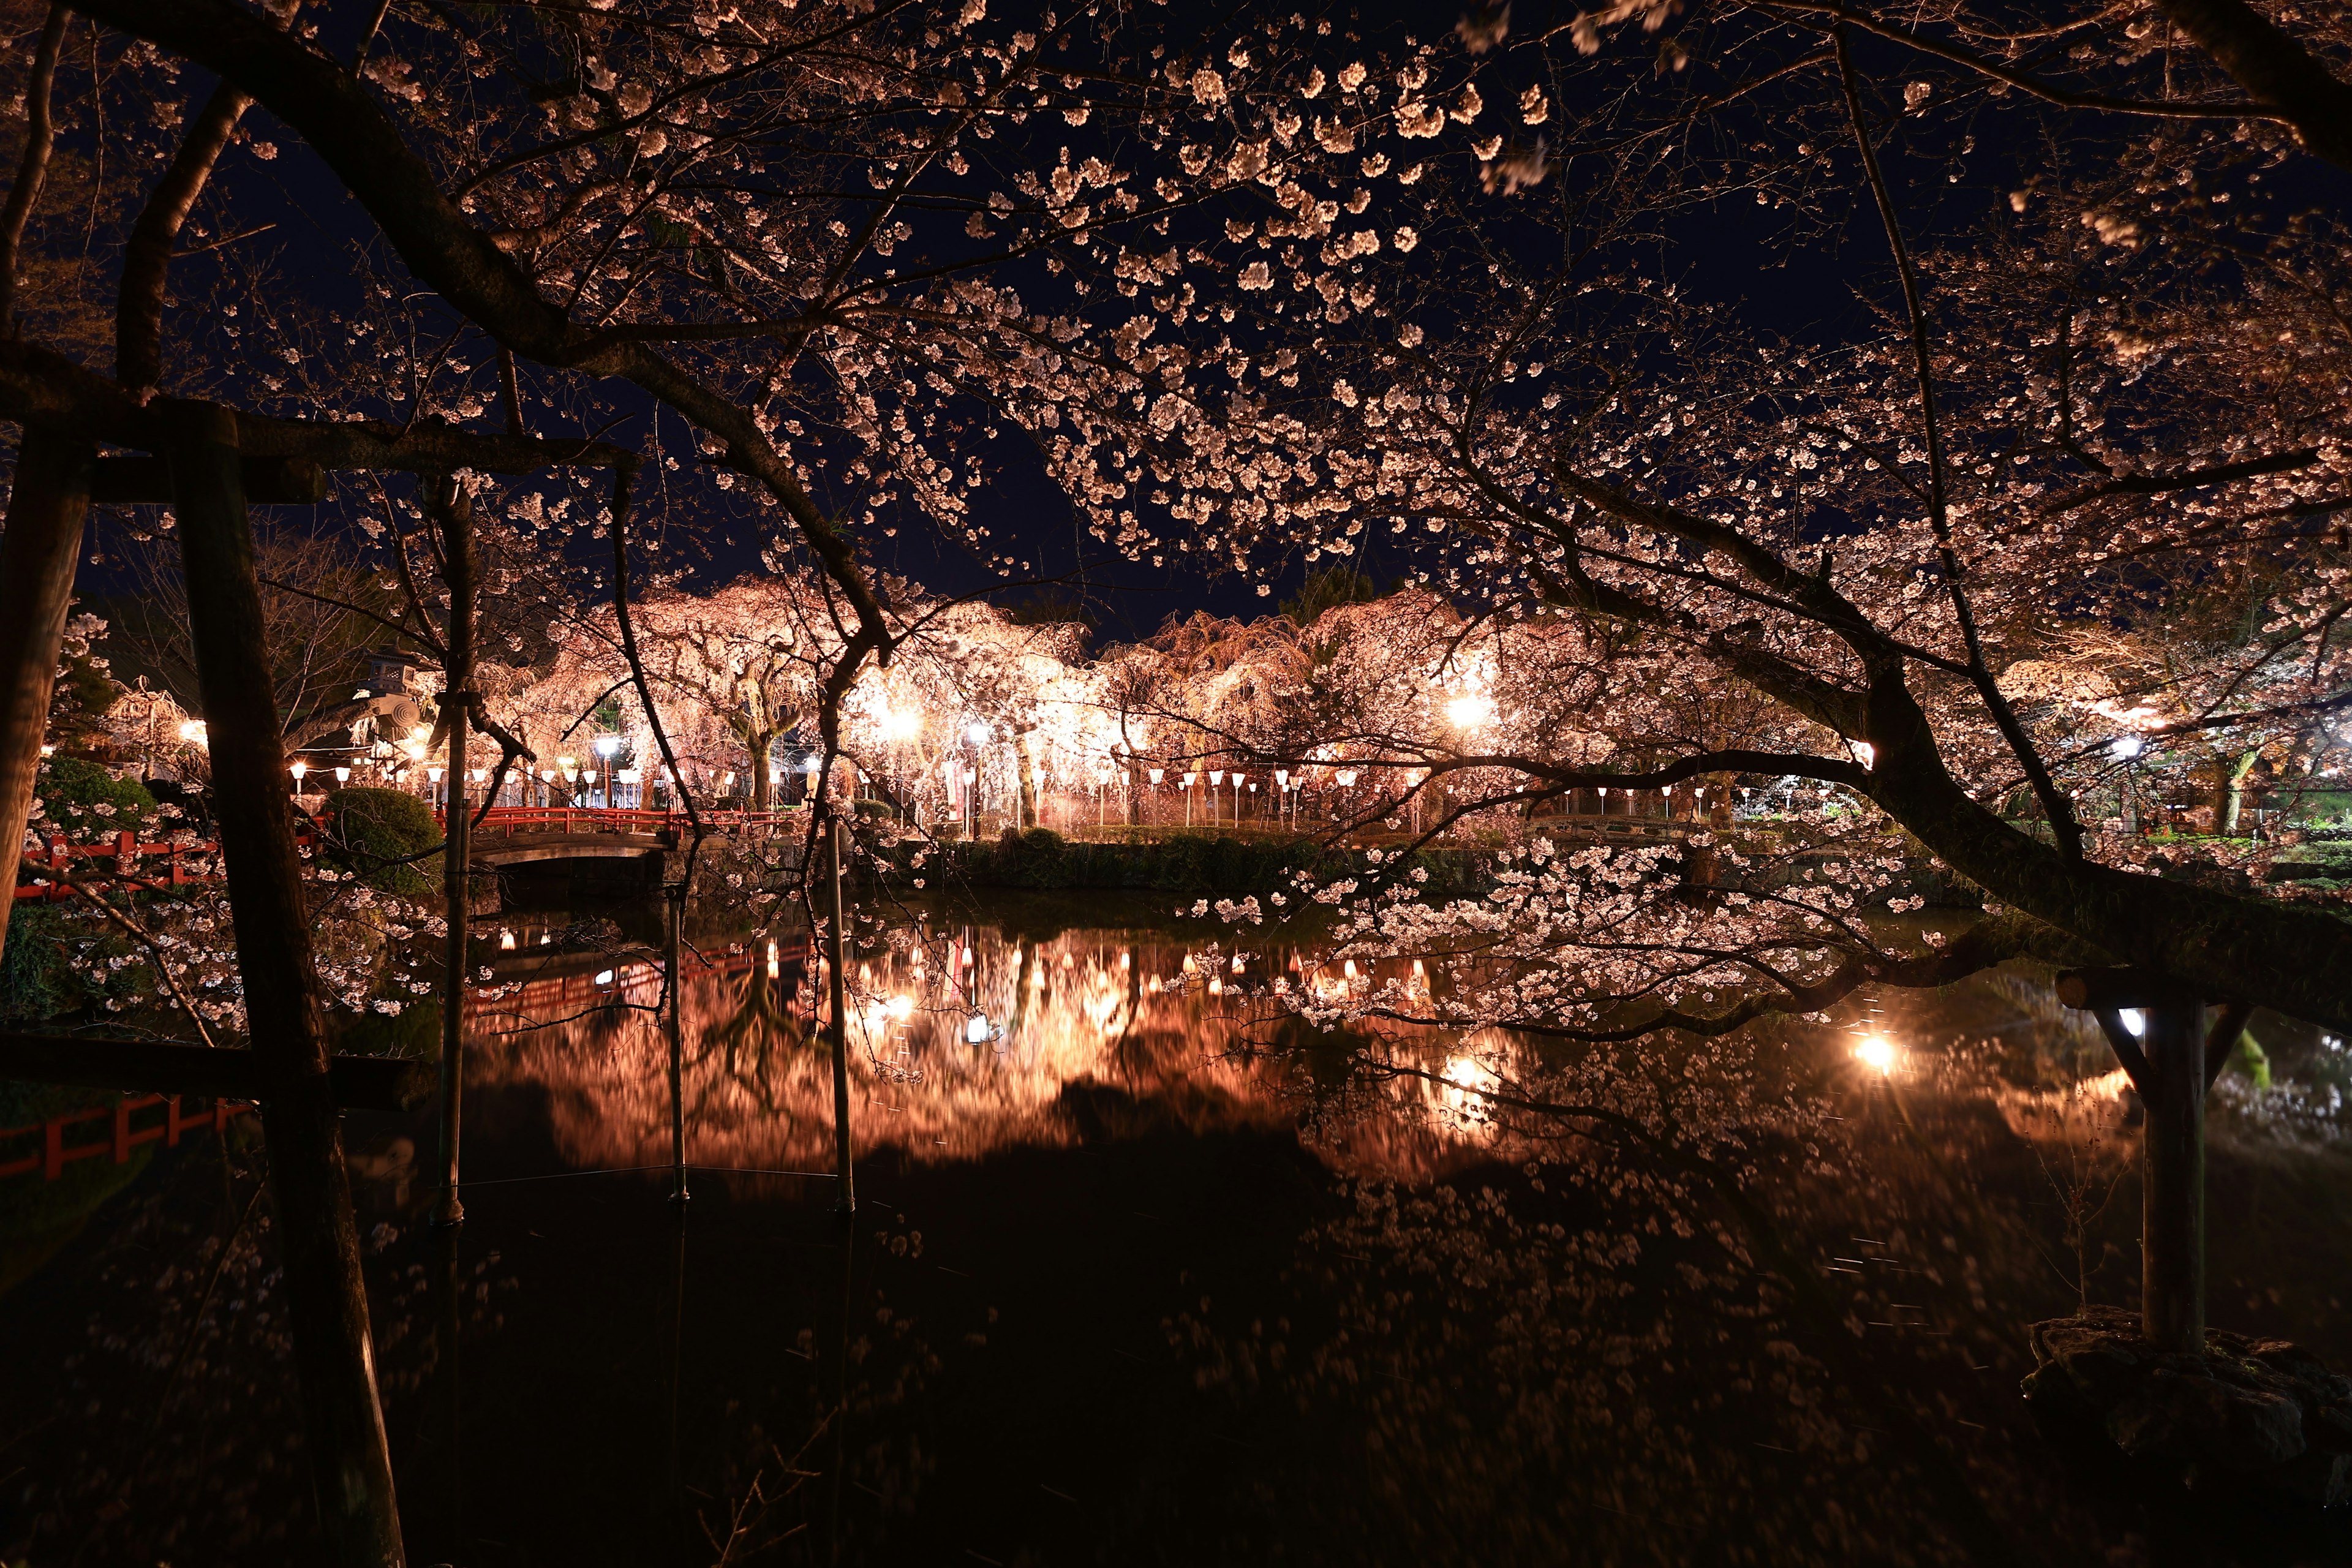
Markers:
(326, 1295)
(457, 519)
(837, 960)
(1025, 764)
(762, 791)
(1134, 790)
(37, 554)
(2234, 799)
(2172, 1180)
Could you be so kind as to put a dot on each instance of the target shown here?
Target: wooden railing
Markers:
(186, 864)
(199, 863)
(618, 819)
(124, 1134)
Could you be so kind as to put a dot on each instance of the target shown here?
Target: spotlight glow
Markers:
(1876, 1052)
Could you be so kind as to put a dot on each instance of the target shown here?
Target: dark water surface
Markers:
(1120, 1290)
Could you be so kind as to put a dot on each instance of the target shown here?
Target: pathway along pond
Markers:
(1121, 1290)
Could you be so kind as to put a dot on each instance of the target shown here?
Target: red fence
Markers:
(187, 865)
(191, 865)
(124, 1135)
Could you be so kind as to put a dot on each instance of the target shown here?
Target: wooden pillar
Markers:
(46, 510)
(2172, 1179)
(326, 1296)
(455, 509)
(836, 953)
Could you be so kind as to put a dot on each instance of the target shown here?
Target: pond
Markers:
(1140, 1273)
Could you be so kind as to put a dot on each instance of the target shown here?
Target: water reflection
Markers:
(964, 1039)
(1142, 1273)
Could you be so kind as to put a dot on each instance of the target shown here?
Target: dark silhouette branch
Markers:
(33, 167)
(147, 258)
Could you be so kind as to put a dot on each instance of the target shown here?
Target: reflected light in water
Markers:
(1876, 1052)
(759, 1078)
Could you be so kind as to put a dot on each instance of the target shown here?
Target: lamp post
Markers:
(1281, 793)
(1216, 782)
(1156, 774)
(605, 746)
(1187, 787)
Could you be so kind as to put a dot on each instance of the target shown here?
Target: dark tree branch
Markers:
(2048, 91)
(33, 167)
(147, 259)
(2188, 479)
(2055, 803)
(2275, 68)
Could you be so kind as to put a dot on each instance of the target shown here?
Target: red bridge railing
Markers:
(186, 865)
(127, 1129)
(618, 819)
(198, 863)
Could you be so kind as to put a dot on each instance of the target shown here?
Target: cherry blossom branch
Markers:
(2055, 803)
(2048, 91)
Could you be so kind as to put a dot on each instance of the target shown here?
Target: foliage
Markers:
(87, 803)
(1328, 590)
(62, 962)
(373, 833)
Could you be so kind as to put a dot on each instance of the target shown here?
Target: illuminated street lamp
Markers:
(1470, 711)
(1186, 786)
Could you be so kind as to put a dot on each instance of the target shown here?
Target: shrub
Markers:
(371, 832)
(61, 960)
(85, 802)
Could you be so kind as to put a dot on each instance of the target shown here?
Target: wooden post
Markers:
(326, 1295)
(45, 511)
(2169, 1065)
(845, 1200)
(676, 977)
(456, 854)
(2172, 1179)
